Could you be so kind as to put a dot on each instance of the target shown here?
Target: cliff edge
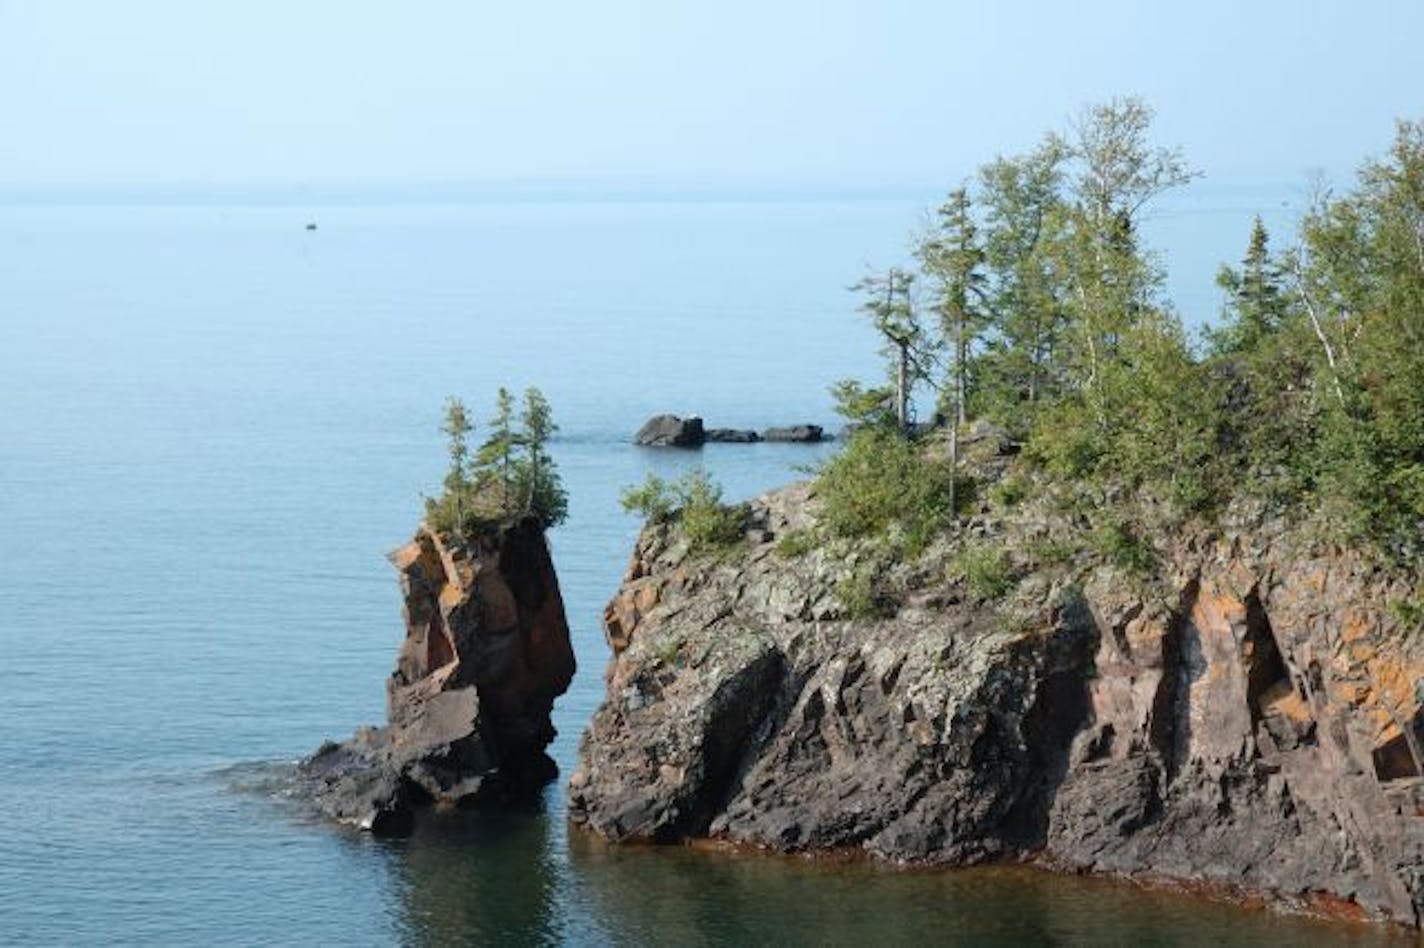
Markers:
(486, 652)
(1240, 708)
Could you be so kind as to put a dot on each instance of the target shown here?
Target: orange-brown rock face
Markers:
(1263, 735)
(485, 654)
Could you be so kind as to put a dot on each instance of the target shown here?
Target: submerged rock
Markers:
(485, 654)
(1247, 717)
(670, 431)
(800, 434)
(732, 436)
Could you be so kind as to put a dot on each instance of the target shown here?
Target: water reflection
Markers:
(480, 877)
(686, 897)
(519, 878)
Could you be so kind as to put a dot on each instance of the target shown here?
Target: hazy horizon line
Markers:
(593, 189)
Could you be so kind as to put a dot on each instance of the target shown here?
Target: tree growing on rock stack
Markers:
(511, 476)
(542, 491)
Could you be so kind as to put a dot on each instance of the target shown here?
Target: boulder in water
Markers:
(670, 431)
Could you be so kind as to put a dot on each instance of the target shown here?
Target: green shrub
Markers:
(985, 569)
(653, 499)
(1009, 492)
(862, 595)
(794, 543)
(880, 479)
(861, 405)
(1409, 612)
(1047, 551)
(695, 501)
(1122, 545)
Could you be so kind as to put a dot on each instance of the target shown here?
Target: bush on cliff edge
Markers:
(695, 502)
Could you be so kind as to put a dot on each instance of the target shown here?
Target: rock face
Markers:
(670, 431)
(1247, 717)
(485, 654)
(800, 434)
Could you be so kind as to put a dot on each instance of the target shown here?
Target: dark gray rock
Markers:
(800, 434)
(1245, 718)
(732, 436)
(670, 431)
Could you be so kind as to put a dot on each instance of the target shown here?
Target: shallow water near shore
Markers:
(216, 423)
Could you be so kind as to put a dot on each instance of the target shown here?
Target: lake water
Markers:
(214, 425)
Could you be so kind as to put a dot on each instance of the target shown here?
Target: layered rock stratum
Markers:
(486, 651)
(1245, 713)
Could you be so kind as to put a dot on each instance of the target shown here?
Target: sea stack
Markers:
(486, 651)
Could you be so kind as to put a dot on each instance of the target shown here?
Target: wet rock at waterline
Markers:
(795, 434)
(1244, 715)
(732, 436)
(485, 654)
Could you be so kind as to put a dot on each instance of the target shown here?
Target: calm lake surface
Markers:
(214, 425)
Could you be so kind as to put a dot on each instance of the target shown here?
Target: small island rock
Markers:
(670, 431)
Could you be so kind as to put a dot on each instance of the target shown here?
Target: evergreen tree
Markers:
(1256, 301)
(497, 454)
(953, 259)
(459, 486)
(542, 491)
(889, 303)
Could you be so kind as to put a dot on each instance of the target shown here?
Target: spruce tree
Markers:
(952, 258)
(889, 303)
(497, 453)
(543, 492)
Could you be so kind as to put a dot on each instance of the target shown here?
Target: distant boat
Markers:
(311, 225)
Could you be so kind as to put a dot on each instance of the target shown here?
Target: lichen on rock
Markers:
(1246, 716)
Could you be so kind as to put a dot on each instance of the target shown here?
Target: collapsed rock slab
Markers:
(670, 431)
(486, 652)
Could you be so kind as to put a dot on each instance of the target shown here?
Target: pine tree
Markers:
(1256, 298)
(459, 486)
(543, 493)
(952, 257)
(497, 453)
(891, 307)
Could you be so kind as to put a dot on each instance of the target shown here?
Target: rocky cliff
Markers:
(486, 652)
(1241, 710)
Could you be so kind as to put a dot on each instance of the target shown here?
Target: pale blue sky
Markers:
(823, 94)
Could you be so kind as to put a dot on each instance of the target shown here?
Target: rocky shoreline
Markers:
(1245, 719)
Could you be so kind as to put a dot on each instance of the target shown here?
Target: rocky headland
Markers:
(486, 652)
(1235, 706)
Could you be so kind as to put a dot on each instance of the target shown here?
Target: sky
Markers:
(826, 94)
